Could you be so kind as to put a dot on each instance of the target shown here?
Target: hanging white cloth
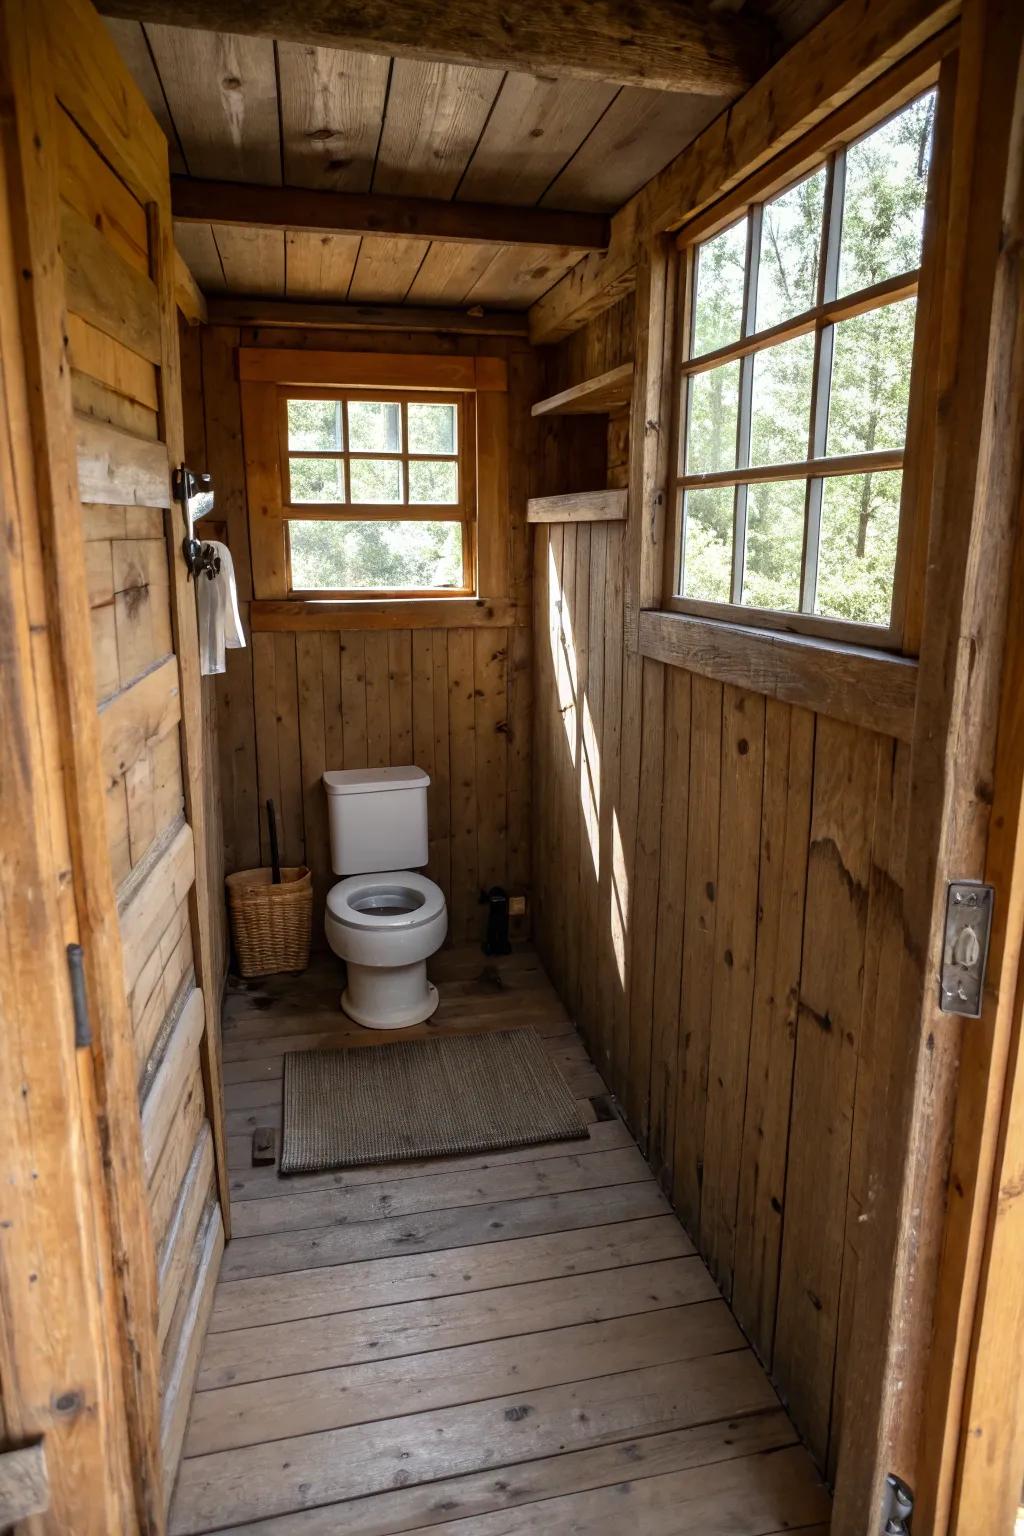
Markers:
(220, 623)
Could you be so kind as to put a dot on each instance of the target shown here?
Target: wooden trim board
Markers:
(578, 507)
(867, 688)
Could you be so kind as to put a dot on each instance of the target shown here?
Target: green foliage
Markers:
(886, 179)
(376, 555)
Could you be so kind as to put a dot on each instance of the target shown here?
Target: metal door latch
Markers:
(195, 495)
(899, 1505)
(965, 947)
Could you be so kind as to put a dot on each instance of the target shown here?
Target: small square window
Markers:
(870, 385)
(884, 198)
(775, 545)
(375, 426)
(431, 428)
(316, 480)
(433, 482)
(780, 419)
(860, 522)
(707, 543)
(375, 481)
(718, 301)
(316, 425)
(714, 408)
(787, 276)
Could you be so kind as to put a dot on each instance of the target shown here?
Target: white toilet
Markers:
(383, 919)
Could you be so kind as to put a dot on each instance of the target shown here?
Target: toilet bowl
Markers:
(385, 927)
(384, 919)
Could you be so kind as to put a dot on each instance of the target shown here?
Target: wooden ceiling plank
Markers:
(302, 208)
(672, 45)
(385, 270)
(435, 116)
(277, 313)
(635, 139)
(520, 274)
(319, 266)
(199, 252)
(253, 259)
(537, 125)
(130, 38)
(222, 94)
(448, 272)
(332, 110)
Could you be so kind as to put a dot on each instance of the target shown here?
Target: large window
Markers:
(793, 393)
(378, 491)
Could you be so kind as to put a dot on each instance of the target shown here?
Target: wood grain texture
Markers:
(653, 44)
(740, 942)
(578, 507)
(486, 1339)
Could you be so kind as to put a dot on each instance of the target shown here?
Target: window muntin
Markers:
(794, 392)
(378, 492)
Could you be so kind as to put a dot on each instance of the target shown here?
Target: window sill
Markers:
(864, 687)
(325, 613)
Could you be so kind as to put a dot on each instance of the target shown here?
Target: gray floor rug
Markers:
(423, 1098)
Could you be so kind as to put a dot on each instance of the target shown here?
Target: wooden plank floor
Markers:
(480, 1346)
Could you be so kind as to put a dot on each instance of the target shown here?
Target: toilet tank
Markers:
(378, 819)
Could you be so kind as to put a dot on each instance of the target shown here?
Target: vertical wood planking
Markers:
(490, 657)
(785, 823)
(828, 1031)
(465, 884)
(732, 993)
(643, 907)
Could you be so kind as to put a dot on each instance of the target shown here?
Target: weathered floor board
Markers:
(387, 1342)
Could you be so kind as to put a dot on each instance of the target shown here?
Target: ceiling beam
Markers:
(857, 44)
(303, 315)
(358, 213)
(670, 45)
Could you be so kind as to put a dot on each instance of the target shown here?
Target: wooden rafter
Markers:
(354, 213)
(671, 45)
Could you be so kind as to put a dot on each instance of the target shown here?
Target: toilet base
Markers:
(389, 997)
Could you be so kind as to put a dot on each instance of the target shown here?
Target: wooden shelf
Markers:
(606, 392)
(578, 507)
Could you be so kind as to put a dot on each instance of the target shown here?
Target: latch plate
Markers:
(965, 947)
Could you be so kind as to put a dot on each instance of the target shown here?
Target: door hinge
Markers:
(79, 1002)
(965, 947)
(899, 1506)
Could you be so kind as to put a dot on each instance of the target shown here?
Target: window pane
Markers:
(780, 422)
(375, 480)
(787, 279)
(433, 480)
(860, 516)
(432, 429)
(374, 426)
(707, 543)
(316, 479)
(775, 541)
(376, 555)
(870, 391)
(711, 434)
(718, 299)
(316, 424)
(883, 206)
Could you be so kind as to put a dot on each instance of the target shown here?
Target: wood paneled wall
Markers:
(456, 701)
(122, 350)
(717, 903)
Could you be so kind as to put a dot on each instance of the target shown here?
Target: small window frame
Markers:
(480, 383)
(819, 321)
(462, 511)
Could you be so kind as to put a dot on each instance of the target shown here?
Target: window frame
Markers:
(478, 382)
(819, 320)
(462, 511)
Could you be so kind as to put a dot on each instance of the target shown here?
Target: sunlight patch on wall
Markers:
(590, 788)
(619, 902)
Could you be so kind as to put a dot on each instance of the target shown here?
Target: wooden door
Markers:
(88, 218)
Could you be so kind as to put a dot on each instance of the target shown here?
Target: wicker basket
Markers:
(270, 924)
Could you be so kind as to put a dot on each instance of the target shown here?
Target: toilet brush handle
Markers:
(275, 857)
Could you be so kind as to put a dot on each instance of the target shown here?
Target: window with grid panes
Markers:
(377, 491)
(794, 389)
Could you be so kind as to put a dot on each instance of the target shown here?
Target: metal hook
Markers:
(194, 493)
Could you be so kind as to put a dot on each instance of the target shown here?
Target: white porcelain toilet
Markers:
(383, 919)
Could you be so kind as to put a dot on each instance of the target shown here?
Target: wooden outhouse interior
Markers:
(689, 339)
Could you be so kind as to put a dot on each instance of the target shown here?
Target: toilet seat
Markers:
(360, 903)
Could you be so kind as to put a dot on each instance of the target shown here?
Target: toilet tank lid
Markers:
(363, 781)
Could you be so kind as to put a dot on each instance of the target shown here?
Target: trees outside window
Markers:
(796, 385)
